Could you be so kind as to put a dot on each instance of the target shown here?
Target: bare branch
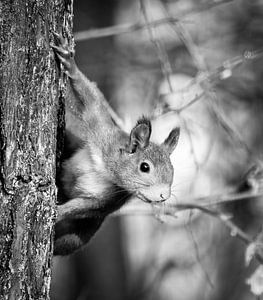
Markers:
(224, 71)
(171, 210)
(204, 202)
(119, 29)
(187, 40)
(162, 55)
(131, 27)
(198, 256)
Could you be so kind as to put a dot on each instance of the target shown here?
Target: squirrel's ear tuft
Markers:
(140, 135)
(171, 141)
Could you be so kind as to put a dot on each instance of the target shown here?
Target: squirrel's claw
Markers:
(61, 51)
(59, 39)
(64, 53)
(64, 62)
(62, 47)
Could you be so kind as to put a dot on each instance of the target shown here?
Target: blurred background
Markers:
(197, 64)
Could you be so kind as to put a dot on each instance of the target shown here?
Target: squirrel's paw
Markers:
(64, 53)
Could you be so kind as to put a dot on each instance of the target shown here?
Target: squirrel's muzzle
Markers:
(155, 193)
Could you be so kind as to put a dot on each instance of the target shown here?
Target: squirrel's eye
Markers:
(144, 167)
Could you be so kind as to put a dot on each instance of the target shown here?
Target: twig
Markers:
(221, 72)
(131, 27)
(190, 103)
(119, 29)
(171, 210)
(234, 230)
(167, 70)
(191, 143)
(198, 257)
(226, 69)
(187, 40)
(161, 53)
(204, 202)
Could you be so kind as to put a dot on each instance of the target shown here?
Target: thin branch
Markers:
(119, 29)
(191, 143)
(131, 27)
(220, 73)
(190, 103)
(187, 40)
(224, 71)
(161, 53)
(203, 202)
(166, 68)
(234, 230)
(198, 256)
(171, 210)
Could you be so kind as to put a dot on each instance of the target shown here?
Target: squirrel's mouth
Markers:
(147, 200)
(143, 198)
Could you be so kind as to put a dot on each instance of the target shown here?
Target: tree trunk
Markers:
(31, 135)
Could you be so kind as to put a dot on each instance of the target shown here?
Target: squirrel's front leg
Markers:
(75, 208)
(79, 83)
(86, 92)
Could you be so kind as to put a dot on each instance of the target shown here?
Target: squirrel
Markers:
(109, 166)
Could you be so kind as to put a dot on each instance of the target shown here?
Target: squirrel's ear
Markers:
(140, 135)
(172, 140)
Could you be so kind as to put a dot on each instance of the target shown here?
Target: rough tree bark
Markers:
(31, 111)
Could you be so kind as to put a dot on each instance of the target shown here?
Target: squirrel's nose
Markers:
(165, 195)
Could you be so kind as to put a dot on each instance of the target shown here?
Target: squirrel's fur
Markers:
(108, 166)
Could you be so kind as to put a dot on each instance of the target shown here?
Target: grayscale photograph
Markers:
(131, 150)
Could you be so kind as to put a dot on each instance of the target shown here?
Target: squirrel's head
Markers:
(144, 168)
